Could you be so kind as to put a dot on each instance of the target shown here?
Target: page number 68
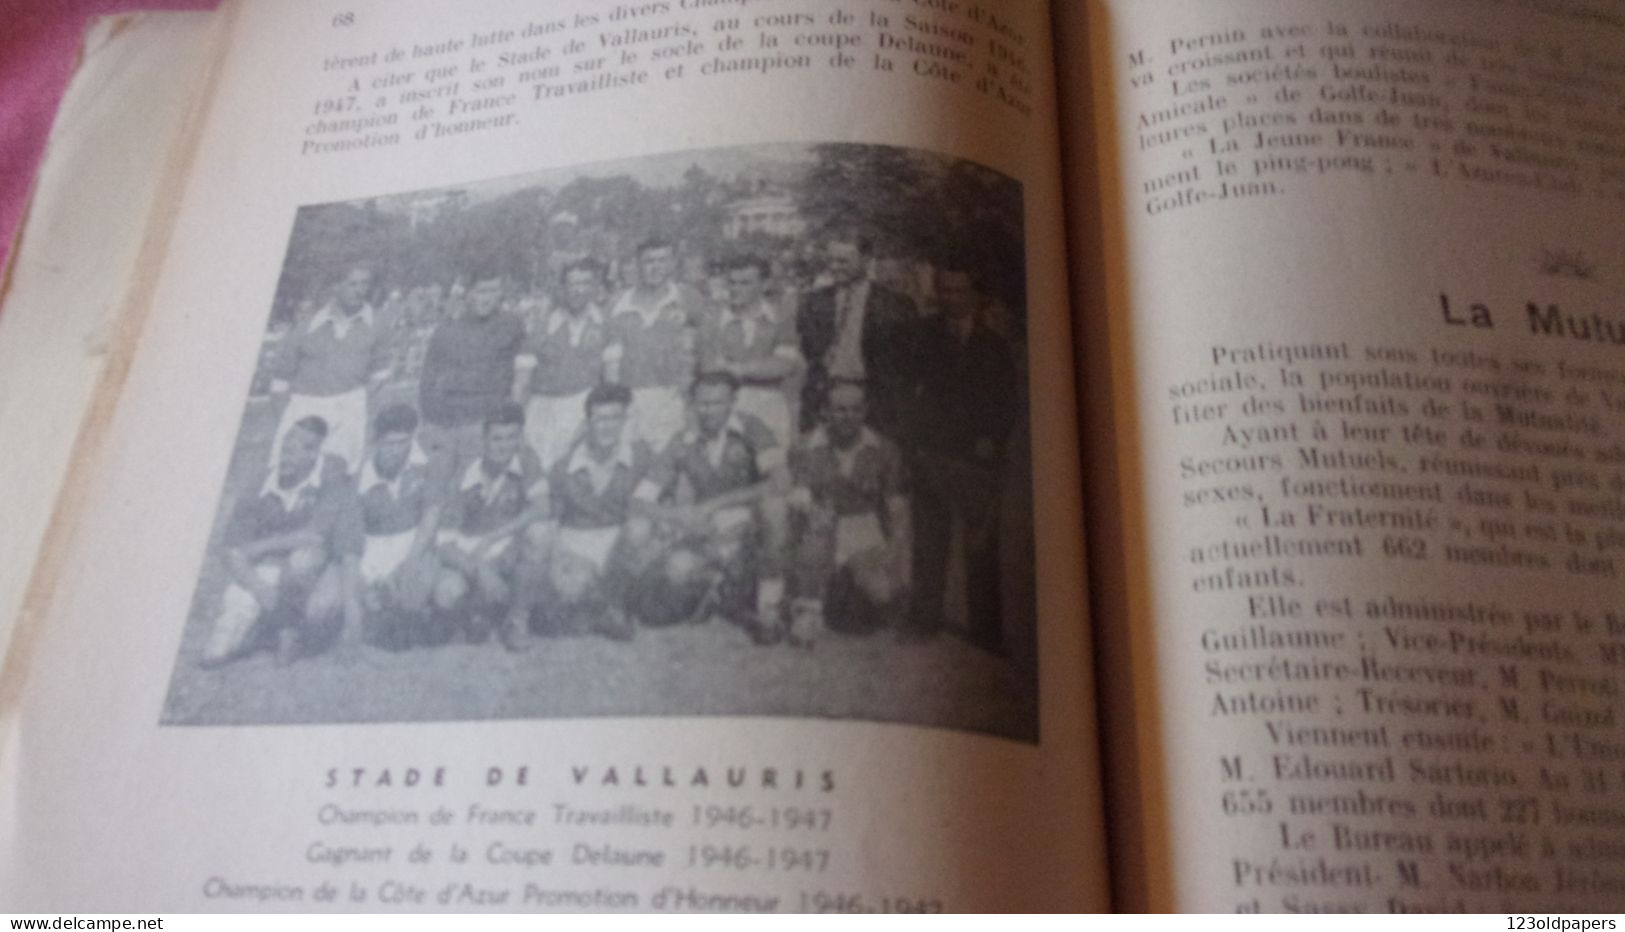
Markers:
(346, 18)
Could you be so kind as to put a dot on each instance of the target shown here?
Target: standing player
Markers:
(853, 554)
(326, 364)
(400, 508)
(491, 532)
(755, 341)
(729, 538)
(289, 551)
(468, 372)
(652, 341)
(564, 360)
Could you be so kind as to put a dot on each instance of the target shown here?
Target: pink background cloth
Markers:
(39, 44)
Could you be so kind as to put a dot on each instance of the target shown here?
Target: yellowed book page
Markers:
(1368, 306)
(90, 214)
(1129, 745)
(585, 456)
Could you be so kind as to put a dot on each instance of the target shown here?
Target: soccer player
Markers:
(565, 360)
(400, 508)
(851, 505)
(652, 343)
(729, 539)
(469, 372)
(491, 532)
(288, 551)
(326, 364)
(754, 340)
(590, 499)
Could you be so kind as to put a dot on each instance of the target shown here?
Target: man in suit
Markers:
(967, 403)
(855, 330)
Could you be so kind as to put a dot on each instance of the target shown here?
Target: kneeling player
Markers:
(589, 496)
(288, 550)
(852, 557)
(727, 545)
(491, 531)
(400, 507)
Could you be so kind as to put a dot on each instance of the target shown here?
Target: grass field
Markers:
(710, 669)
(704, 670)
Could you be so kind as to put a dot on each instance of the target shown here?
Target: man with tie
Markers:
(856, 330)
(967, 404)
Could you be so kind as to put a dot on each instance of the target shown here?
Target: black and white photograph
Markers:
(727, 432)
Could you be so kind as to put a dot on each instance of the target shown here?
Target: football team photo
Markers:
(735, 432)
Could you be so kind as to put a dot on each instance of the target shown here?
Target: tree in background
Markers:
(919, 205)
(916, 205)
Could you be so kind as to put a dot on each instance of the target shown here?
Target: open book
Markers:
(638, 455)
